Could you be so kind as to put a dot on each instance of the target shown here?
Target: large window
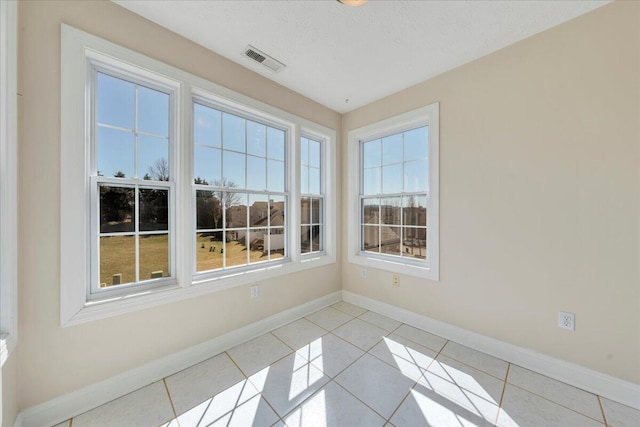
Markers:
(394, 188)
(133, 180)
(240, 190)
(173, 186)
(312, 200)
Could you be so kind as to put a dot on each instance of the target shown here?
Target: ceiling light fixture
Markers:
(353, 2)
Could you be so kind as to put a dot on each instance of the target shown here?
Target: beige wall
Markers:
(53, 360)
(9, 376)
(539, 193)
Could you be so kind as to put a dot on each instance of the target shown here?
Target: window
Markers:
(8, 181)
(311, 201)
(132, 181)
(396, 191)
(173, 186)
(240, 190)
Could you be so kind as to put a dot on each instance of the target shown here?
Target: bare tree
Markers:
(159, 171)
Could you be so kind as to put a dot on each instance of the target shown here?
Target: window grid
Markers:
(396, 236)
(136, 183)
(252, 237)
(311, 225)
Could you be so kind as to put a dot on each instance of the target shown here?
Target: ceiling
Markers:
(334, 52)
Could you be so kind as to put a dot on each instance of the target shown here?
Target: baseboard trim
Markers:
(71, 404)
(607, 386)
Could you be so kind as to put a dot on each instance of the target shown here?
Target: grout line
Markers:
(173, 408)
(70, 422)
(237, 366)
(360, 400)
(504, 388)
(604, 417)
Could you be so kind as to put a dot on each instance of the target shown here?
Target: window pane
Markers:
(115, 152)
(316, 238)
(275, 179)
(316, 211)
(154, 256)
(314, 153)
(371, 181)
(258, 210)
(370, 238)
(372, 155)
(257, 176)
(209, 251)
(390, 240)
(304, 151)
(117, 209)
(233, 132)
(305, 210)
(390, 209)
(305, 239)
(277, 211)
(392, 179)
(236, 209)
(314, 180)
(392, 149)
(414, 210)
(276, 243)
(275, 143)
(153, 111)
(370, 211)
(154, 209)
(235, 251)
(233, 169)
(208, 210)
(416, 143)
(416, 176)
(117, 260)
(207, 128)
(153, 158)
(414, 242)
(304, 180)
(115, 102)
(207, 165)
(258, 241)
(256, 139)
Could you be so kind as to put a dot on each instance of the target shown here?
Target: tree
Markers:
(159, 171)
(119, 174)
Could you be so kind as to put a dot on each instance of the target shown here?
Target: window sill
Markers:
(96, 310)
(388, 264)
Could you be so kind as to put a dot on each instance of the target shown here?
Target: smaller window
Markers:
(393, 192)
(311, 196)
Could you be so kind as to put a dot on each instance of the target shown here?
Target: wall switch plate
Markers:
(255, 291)
(567, 321)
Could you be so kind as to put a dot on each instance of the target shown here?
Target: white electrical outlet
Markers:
(255, 291)
(396, 280)
(363, 273)
(567, 321)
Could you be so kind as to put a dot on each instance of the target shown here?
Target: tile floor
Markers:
(346, 366)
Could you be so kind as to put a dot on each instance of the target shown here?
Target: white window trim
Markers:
(424, 115)
(77, 46)
(8, 180)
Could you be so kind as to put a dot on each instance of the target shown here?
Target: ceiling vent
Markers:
(262, 58)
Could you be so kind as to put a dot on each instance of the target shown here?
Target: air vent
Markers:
(264, 59)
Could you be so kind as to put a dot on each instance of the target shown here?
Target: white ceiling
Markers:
(334, 52)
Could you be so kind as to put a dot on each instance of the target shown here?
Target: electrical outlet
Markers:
(255, 291)
(567, 321)
(363, 273)
(396, 280)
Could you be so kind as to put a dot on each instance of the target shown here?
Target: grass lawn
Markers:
(117, 256)
(236, 253)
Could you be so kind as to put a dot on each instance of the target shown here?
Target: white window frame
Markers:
(428, 269)
(8, 180)
(323, 214)
(78, 48)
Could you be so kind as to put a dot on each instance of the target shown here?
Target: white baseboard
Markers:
(18, 421)
(71, 404)
(613, 388)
